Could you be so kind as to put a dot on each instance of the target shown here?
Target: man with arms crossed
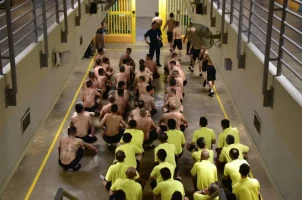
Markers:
(71, 150)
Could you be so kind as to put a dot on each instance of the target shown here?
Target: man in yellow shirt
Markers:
(137, 135)
(207, 133)
(176, 137)
(225, 152)
(205, 194)
(201, 145)
(132, 152)
(227, 130)
(132, 189)
(168, 186)
(116, 171)
(204, 173)
(155, 176)
(169, 148)
(246, 188)
(231, 173)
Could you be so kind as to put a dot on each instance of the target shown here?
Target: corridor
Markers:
(39, 176)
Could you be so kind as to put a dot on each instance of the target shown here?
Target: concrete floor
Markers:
(85, 184)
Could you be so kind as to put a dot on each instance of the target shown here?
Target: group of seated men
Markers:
(130, 140)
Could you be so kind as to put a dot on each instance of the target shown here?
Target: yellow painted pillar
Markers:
(291, 4)
(163, 15)
(133, 20)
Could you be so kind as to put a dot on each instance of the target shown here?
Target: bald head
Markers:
(131, 172)
(205, 155)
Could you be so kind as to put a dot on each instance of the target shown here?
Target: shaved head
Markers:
(131, 172)
(205, 155)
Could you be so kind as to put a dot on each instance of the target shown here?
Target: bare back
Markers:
(89, 97)
(151, 65)
(178, 91)
(102, 83)
(177, 33)
(68, 149)
(144, 124)
(142, 88)
(112, 123)
(82, 121)
(121, 101)
(170, 24)
(121, 77)
(176, 115)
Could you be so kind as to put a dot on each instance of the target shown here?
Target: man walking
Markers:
(154, 35)
(170, 24)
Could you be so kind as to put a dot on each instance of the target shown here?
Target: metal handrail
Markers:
(63, 193)
(267, 28)
(13, 36)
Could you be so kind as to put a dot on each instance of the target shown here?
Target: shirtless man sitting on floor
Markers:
(181, 122)
(83, 122)
(151, 65)
(93, 78)
(149, 100)
(136, 111)
(104, 83)
(89, 97)
(172, 100)
(121, 76)
(172, 84)
(140, 87)
(71, 150)
(107, 108)
(181, 73)
(147, 125)
(122, 102)
(113, 125)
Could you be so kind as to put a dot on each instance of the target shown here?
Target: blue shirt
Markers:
(153, 35)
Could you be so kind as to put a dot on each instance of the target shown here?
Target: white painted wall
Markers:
(279, 142)
(38, 88)
(146, 8)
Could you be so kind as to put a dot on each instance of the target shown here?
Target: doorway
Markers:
(145, 11)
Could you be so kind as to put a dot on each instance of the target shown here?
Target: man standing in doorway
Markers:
(171, 24)
(158, 20)
(154, 35)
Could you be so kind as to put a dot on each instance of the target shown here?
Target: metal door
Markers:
(121, 22)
